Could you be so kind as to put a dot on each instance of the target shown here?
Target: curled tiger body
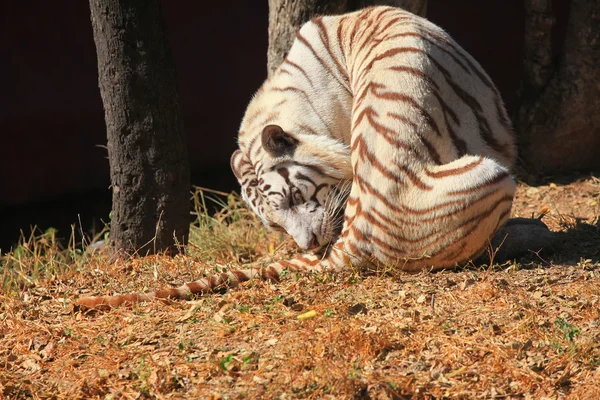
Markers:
(378, 141)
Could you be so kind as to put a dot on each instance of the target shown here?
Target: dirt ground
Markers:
(527, 329)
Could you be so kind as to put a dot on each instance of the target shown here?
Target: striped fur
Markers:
(386, 105)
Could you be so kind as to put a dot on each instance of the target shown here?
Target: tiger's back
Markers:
(337, 62)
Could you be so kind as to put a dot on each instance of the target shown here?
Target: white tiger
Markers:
(384, 103)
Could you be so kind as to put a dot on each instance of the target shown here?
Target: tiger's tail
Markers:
(215, 283)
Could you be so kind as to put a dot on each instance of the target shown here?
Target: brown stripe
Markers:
(455, 171)
(476, 218)
(388, 135)
(481, 216)
(431, 150)
(339, 31)
(394, 96)
(270, 274)
(470, 101)
(437, 45)
(464, 206)
(375, 41)
(353, 33)
(433, 154)
(365, 13)
(355, 251)
(127, 298)
(171, 293)
(252, 117)
(288, 265)
(501, 111)
(501, 218)
(283, 70)
(358, 65)
(382, 12)
(248, 148)
(509, 150)
(390, 53)
(196, 287)
(365, 186)
(416, 72)
(305, 42)
(325, 39)
(486, 81)
(369, 35)
(446, 108)
(414, 178)
(458, 90)
(397, 220)
(308, 129)
(368, 111)
(456, 255)
(364, 153)
(500, 177)
(466, 58)
(459, 144)
(366, 36)
(487, 135)
(308, 262)
(348, 220)
(385, 27)
(293, 89)
(397, 237)
(211, 282)
(299, 68)
(372, 239)
(367, 216)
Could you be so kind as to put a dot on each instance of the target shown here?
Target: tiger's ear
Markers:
(276, 142)
(239, 165)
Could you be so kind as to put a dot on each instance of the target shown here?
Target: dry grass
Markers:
(527, 329)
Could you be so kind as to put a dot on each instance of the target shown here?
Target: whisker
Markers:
(335, 205)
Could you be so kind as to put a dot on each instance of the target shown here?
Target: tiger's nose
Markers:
(314, 243)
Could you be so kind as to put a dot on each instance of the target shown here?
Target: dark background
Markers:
(53, 166)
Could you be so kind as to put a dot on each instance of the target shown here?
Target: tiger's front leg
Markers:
(347, 250)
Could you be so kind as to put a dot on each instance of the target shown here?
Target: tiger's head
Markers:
(293, 164)
(295, 182)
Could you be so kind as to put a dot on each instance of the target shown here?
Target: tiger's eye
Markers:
(297, 197)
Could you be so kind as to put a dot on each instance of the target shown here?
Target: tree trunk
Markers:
(558, 120)
(286, 18)
(146, 142)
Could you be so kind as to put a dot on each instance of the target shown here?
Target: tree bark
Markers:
(558, 120)
(146, 142)
(286, 18)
